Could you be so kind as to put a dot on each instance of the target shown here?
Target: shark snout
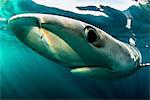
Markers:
(60, 26)
(84, 39)
(23, 20)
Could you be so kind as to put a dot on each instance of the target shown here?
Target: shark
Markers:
(83, 48)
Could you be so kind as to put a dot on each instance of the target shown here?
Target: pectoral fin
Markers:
(97, 72)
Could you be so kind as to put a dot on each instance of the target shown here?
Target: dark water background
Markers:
(26, 74)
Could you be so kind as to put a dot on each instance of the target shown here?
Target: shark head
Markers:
(83, 48)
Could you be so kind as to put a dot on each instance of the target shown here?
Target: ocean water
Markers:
(26, 74)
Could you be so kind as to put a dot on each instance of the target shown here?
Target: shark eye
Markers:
(91, 34)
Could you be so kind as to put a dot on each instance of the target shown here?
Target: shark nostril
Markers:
(40, 28)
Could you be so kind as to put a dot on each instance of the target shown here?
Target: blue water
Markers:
(26, 74)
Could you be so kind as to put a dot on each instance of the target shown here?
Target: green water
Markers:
(26, 74)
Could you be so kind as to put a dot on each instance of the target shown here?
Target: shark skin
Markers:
(83, 48)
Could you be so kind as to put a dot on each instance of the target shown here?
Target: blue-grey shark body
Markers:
(83, 48)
